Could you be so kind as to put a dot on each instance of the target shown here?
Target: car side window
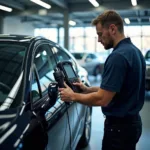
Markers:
(35, 89)
(147, 56)
(88, 56)
(93, 56)
(63, 56)
(45, 63)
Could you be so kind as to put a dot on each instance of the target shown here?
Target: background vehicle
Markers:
(92, 62)
(29, 117)
(147, 77)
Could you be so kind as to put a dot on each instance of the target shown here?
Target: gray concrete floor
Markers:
(98, 124)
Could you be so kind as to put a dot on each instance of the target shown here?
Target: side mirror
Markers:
(53, 93)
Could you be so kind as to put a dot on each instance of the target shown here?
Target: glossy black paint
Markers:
(34, 124)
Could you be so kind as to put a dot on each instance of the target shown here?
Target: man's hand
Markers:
(83, 87)
(66, 94)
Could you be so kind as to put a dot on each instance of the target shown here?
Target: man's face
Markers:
(104, 36)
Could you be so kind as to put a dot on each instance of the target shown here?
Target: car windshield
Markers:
(11, 59)
(78, 55)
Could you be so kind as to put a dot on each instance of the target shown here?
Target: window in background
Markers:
(61, 37)
(90, 32)
(90, 44)
(137, 41)
(145, 43)
(146, 30)
(85, 38)
(77, 43)
(131, 31)
(49, 33)
(91, 40)
(76, 36)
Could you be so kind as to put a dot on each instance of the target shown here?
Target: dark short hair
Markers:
(109, 17)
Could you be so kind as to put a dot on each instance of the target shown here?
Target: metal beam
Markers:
(60, 3)
(12, 4)
(41, 20)
(34, 11)
(131, 24)
(123, 5)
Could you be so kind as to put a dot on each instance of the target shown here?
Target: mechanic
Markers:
(122, 90)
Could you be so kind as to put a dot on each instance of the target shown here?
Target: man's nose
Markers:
(99, 39)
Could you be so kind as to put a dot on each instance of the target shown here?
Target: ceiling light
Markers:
(72, 23)
(43, 4)
(5, 8)
(134, 2)
(127, 21)
(42, 12)
(94, 3)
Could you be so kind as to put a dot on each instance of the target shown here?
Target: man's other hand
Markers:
(66, 93)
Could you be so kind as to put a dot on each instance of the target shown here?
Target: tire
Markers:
(85, 138)
(97, 70)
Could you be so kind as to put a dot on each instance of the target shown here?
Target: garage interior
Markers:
(59, 20)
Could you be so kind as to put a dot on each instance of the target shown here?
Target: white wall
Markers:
(13, 25)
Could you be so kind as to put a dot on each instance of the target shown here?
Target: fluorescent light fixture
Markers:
(43, 4)
(5, 8)
(94, 3)
(134, 2)
(72, 23)
(42, 12)
(127, 21)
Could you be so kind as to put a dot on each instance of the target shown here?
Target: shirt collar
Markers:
(125, 40)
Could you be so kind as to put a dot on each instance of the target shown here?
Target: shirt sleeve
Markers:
(114, 73)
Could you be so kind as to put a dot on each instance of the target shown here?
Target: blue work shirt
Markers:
(124, 73)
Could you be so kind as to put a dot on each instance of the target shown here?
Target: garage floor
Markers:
(98, 120)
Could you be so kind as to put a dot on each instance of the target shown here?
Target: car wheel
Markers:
(85, 138)
(97, 70)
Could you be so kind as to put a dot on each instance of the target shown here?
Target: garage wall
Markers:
(13, 25)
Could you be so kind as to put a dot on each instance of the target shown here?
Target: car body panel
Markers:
(32, 124)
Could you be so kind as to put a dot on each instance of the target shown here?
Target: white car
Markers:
(92, 62)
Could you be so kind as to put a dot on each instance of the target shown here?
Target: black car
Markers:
(29, 117)
(147, 74)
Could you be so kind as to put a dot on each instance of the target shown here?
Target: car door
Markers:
(77, 115)
(56, 122)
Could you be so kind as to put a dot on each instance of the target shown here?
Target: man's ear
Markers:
(113, 29)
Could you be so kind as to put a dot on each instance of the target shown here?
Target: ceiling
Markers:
(81, 11)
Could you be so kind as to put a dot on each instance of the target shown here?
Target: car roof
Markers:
(18, 38)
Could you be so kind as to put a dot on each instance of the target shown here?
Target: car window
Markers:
(78, 55)
(89, 56)
(93, 56)
(35, 89)
(147, 56)
(63, 56)
(11, 60)
(45, 63)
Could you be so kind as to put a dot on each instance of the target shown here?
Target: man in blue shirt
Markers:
(121, 93)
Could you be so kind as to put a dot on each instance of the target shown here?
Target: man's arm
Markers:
(99, 98)
(85, 88)
(92, 89)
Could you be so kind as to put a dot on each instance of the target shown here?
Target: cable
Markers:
(69, 126)
(77, 109)
(64, 137)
